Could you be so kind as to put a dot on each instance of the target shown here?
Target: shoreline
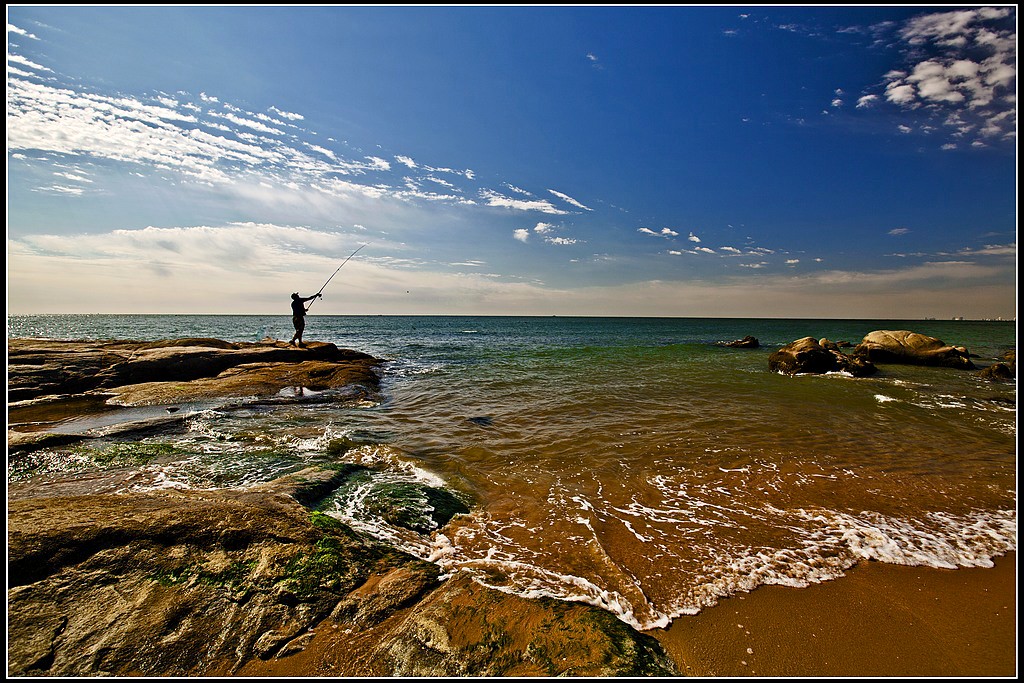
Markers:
(878, 620)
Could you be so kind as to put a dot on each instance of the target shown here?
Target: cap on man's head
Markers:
(295, 295)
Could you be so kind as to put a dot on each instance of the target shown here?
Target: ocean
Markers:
(631, 463)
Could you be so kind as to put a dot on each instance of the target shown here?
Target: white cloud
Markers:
(11, 28)
(665, 232)
(866, 101)
(493, 198)
(569, 200)
(693, 238)
(378, 164)
(249, 123)
(561, 241)
(518, 190)
(992, 250)
(521, 234)
(837, 102)
(792, 261)
(77, 177)
(64, 189)
(287, 114)
(731, 250)
(896, 232)
(706, 250)
(961, 67)
(407, 161)
(543, 228)
(18, 59)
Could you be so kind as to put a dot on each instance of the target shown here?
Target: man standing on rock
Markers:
(299, 315)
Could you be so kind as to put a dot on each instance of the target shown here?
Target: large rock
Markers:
(911, 348)
(170, 582)
(250, 582)
(808, 356)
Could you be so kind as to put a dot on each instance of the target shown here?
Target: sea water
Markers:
(634, 464)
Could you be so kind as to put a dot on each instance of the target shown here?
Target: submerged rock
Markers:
(412, 505)
(999, 372)
(903, 346)
(747, 342)
(808, 356)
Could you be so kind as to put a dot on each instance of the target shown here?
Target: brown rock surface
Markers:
(808, 356)
(903, 346)
(249, 582)
(188, 367)
(51, 381)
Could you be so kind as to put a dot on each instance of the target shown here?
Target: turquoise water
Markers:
(630, 463)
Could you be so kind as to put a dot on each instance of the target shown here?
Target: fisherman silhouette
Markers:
(299, 315)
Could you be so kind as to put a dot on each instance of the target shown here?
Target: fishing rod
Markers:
(335, 273)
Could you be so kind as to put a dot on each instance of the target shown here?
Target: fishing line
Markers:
(335, 273)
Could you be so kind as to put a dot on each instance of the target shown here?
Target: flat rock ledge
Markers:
(50, 380)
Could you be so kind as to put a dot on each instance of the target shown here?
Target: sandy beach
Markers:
(878, 620)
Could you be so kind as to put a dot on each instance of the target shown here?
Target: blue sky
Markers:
(679, 161)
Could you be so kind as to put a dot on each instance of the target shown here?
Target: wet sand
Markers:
(878, 620)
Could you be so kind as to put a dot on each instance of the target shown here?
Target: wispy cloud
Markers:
(569, 200)
(664, 232)
(11, 28)
(866, 101)
(493, 198)
(287, 114)
(562, 241)
(18, 59)
(544, 230)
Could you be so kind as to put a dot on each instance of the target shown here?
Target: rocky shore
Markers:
(257, 580)
(252, 581)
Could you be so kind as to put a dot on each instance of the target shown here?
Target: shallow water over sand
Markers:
(633, 464)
